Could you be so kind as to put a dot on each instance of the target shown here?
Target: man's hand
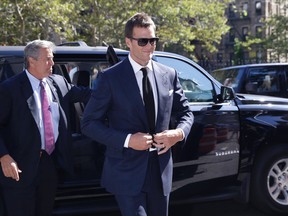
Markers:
(167, 139)
(140, 141)
(9, 167)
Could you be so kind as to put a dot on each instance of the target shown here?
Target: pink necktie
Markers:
(47, 121)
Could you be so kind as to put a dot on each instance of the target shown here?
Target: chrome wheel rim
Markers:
(277, 182)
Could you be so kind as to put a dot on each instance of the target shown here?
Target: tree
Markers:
(24, 20)
(277, 41)
(179, 23)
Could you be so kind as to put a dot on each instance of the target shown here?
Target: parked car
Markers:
(261, 79)
(237, 148)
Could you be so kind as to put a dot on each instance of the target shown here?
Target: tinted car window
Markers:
(258, 79)
(264, 79)
(229, 77)
(196, 86)
(9, 66)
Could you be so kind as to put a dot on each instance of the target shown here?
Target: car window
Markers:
(81, 73)
(197, 87)
(9, 66)
(230, 77)
(263, 80)
(286, 77)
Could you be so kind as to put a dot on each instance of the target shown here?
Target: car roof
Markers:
(84, 49)
(252, 65)
(18, 50)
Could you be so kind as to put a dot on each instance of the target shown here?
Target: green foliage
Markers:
(179, 23)
(25, 20)
(277, 40)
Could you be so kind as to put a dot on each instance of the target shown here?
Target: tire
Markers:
(269, 183)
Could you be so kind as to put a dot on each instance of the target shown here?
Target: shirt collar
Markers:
(34, 81)
(137, 67)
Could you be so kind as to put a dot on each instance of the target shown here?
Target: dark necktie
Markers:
(47, 120)
(148, 101)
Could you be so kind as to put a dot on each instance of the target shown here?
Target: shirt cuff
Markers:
(181, 131)
(127, 141)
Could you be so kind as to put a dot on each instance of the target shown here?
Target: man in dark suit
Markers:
(138, 162)
(33, 148)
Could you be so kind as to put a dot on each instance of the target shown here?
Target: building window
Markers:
(269, 8)
(246, 57)
(231, 56)
(258, 8)
(258, 32)
(232, 35)
(219, 57)
(231, 11)
(244, 33)
(245, 9)
(259, 56)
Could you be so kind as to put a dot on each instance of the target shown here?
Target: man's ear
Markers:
(31, 61)
(128, 42)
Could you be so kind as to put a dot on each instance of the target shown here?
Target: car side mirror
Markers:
(227, 93)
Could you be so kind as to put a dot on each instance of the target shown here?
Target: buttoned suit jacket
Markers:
(19, 133)
(116, 100)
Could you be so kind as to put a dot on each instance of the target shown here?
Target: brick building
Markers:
(245, 17)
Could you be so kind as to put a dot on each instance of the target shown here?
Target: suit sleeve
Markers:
(182, 116)
(94, 121)
(5, 109)
(75, 93)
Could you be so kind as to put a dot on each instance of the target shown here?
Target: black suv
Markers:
(262, 79)
(237, 148)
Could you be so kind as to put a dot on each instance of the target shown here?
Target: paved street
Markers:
(221, 208)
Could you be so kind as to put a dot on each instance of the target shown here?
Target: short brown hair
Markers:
(141, 20)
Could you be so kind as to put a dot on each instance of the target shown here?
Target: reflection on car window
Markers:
(228, 77)
(264, 80)
(197, 87)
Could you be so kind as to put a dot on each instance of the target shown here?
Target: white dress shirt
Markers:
(35, 84)
(139, 75)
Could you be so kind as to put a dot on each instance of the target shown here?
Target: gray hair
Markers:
(32, 49)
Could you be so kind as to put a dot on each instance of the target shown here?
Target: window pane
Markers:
(197, 87)
(264, 79)
(258, 8)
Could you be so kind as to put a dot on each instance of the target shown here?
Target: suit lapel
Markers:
(162, 86)
(29, 97)
(53, 91)
(51, 82)
(127, 77)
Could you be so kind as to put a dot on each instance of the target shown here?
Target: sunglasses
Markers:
(144, 41)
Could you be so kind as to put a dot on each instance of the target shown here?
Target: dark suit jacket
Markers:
(117, 98)
(19, 134)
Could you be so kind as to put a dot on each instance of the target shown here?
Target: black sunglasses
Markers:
(144, 41)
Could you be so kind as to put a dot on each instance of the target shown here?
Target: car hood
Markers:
(261, 99)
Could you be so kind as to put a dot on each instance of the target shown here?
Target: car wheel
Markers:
(269, 183)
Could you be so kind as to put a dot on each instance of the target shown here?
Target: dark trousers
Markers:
(150, 201)
(37, 199)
